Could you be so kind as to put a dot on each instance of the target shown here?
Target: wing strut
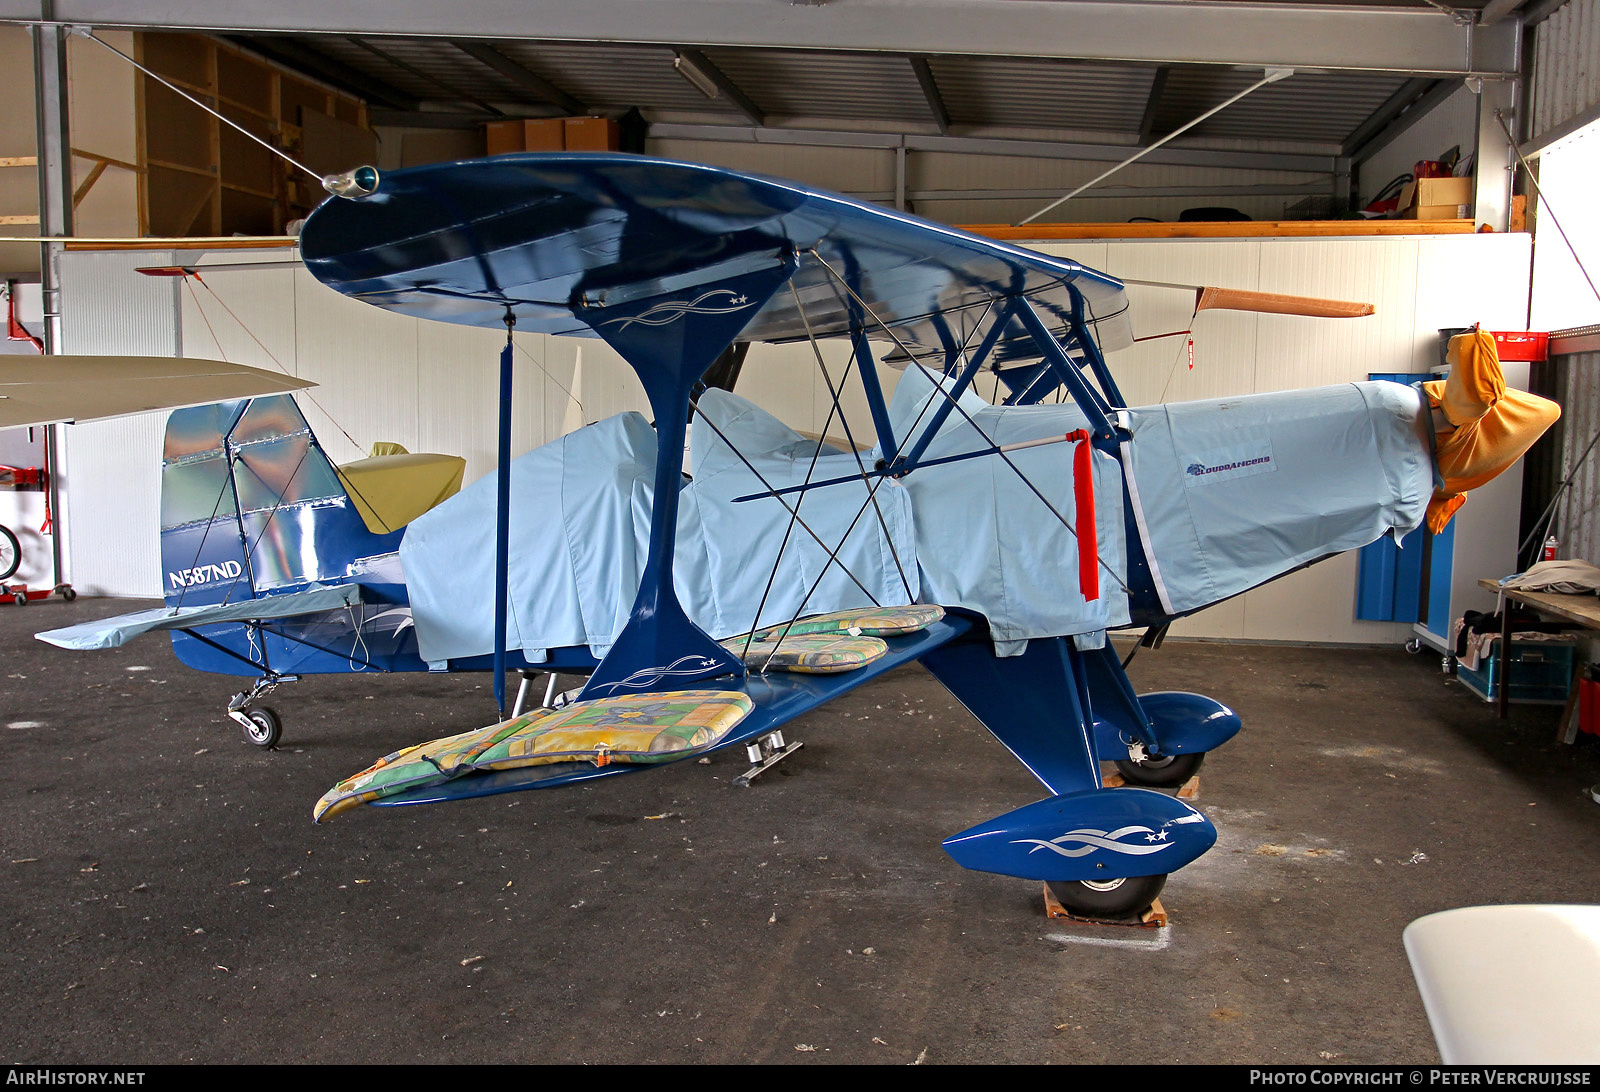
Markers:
(502, 521)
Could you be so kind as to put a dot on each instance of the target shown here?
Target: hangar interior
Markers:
(167, 900)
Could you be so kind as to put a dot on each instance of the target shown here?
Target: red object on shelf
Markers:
(1522, 344)
(22, 477)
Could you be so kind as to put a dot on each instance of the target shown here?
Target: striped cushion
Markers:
(635, 728)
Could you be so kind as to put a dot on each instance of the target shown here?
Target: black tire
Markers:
(1126, 898)
(65, 591)
(1160, 771)
(10, 554)
(266, 730)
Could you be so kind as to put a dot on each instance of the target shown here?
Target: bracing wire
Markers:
(956, 404)
(872, 487)
(794, 514)
(861, 465)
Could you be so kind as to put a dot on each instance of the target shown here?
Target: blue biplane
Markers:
(1036, 527)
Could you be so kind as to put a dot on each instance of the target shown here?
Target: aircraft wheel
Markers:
(1124, 898)
(10, 554)
(1160, 771)
(265, 727)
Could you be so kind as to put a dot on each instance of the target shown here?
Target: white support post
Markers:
(1496, 158)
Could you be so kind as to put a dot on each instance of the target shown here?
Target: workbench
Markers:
(1581, 607)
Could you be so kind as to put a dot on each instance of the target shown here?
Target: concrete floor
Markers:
(166, 897)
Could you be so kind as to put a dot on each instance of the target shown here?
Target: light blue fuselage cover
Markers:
(1226, 495)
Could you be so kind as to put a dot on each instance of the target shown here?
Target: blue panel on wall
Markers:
(1389, 577)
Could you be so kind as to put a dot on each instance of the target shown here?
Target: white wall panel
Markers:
(364, 360)
(1293, 351)
(1224, 360)
(110, 471)
(242, 316)
(458, 392)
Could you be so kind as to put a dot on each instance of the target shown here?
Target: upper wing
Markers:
(540, 234)
(41, 390)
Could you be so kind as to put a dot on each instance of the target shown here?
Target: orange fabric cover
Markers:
(1492, 425)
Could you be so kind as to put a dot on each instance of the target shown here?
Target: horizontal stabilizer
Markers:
(45, 390)
(114, 632)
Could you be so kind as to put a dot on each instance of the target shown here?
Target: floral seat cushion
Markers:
(644, 728)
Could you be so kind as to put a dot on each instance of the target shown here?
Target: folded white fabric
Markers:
(1567, 577)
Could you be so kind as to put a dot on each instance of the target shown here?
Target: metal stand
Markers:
(764, 754)
(522, 691)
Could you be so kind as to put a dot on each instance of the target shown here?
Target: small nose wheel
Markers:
(261, 726)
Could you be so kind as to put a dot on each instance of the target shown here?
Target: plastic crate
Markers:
(1540, 673)
(1527, 345)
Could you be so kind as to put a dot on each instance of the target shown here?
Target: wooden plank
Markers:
(208, 173)
(88, 183)
(194, 242)
(107, 160)
(214, 138)
(1243, 229)
(1583, 608)
(253, 191)
(140, 137)
(19, 161)
(18, 220)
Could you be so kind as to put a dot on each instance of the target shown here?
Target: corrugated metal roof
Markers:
(1320, 107)
(1045, 94)
(981, 93)
(839, 85)
(1566, 65)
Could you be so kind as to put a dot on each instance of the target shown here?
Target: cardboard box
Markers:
(500, 137)
(1437, 199)
(526, 135)
(544, 135)
(592, 135)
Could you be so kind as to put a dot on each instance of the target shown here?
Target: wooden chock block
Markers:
(1153, 918)
(1190, 789)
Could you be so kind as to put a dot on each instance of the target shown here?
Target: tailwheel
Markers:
(1122, 898)
(265, 727)
(1158, 771)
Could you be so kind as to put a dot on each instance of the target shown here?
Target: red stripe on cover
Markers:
(1083, 493)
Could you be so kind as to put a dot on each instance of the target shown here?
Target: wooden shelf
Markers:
(197, 176)
(1241, 229)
